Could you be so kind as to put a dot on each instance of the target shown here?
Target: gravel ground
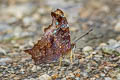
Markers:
(97, 56)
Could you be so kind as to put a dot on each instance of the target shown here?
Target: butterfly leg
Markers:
(74, 48)
(60, 61)
(71, 56)
(73, 53)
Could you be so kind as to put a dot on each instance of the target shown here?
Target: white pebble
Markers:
(112, 41)
(45, 77)
(108, 78)
(118, 76)
(117, 27)
(7, 59)
(34, 68)
(87, 49)
(2, 51)
(103, 44)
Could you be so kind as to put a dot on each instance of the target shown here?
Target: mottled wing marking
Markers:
(55, 42)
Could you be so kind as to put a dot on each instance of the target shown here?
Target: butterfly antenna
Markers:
(84, 34)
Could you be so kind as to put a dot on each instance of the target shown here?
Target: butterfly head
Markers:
(59, 20)
(57, 13)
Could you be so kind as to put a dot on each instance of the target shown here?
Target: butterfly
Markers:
(55, 42)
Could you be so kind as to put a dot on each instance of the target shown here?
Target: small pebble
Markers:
(87, 50)
(28, 20)
(34, 68)
(55, 76)
(102, 44)
(117, 27)
(85, 74)
(118, 37)
(97, 57)
(45, 77)
(102, 74)
(5, 27)
(71, 75)
(108, 78)
(2, 51)
(77, 78)
(118, 76)
(41, 10)
(112, 42)
(7, 59)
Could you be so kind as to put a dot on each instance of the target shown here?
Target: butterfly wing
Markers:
(62, 35)
(55, 41)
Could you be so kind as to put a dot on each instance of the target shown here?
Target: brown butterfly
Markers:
(55, 42)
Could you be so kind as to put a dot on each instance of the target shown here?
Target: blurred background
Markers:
(22, 23)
